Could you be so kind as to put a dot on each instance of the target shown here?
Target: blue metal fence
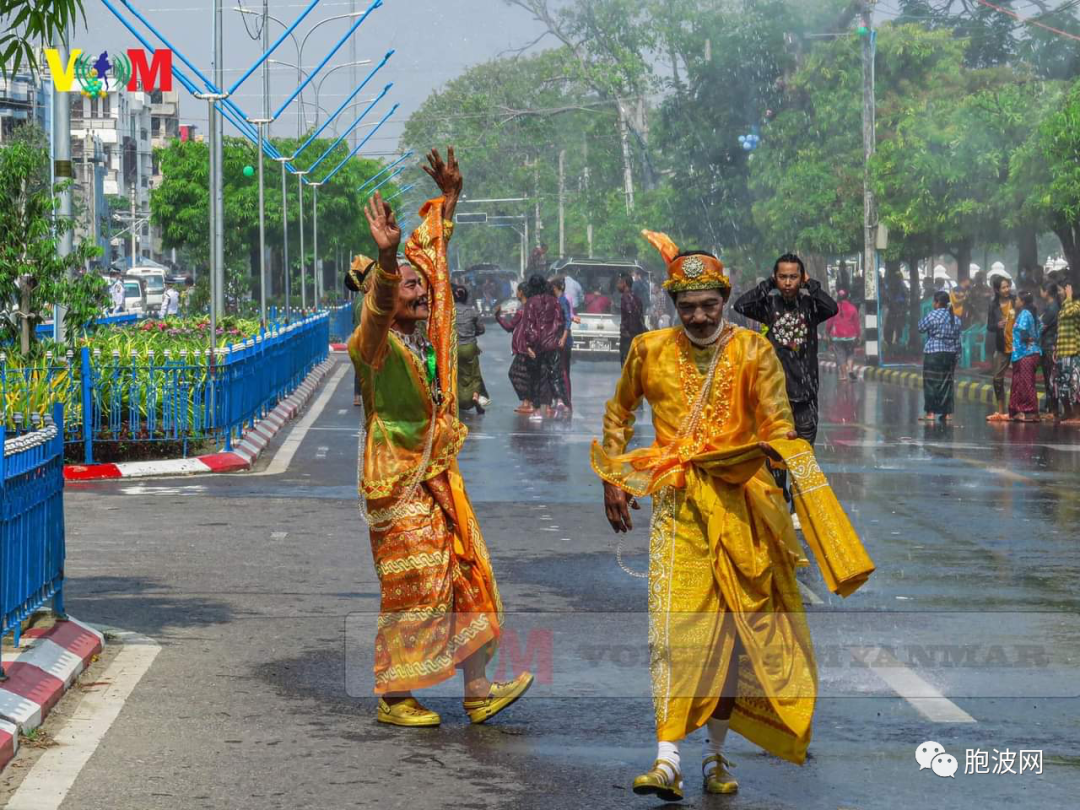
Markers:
(46, 329)
(178, 397)
(341, 323)
(31, 522)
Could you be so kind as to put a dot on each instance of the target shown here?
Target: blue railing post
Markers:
(87, 407)
(57, 449)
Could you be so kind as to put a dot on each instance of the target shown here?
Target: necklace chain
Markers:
(689, 426)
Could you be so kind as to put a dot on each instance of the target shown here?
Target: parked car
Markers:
(598, 332)
(135, 295)
(154, 280)
(488, 284)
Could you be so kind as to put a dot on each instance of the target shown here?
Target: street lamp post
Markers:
(303, 282)
(261, 123)
(315, 238)
(285, 234)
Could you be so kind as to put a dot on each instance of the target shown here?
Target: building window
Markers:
(105, 107)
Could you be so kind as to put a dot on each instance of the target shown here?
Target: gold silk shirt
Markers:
(723, 551)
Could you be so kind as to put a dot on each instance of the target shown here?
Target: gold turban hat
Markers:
(694, 272)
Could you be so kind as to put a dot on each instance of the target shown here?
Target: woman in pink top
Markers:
(843, 330)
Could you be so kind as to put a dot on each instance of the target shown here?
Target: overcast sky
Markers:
(434, 41)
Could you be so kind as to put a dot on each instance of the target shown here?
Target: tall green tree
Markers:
(33, 277)
(33, 24)
(180, 204)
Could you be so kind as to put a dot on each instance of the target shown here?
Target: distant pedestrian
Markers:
(519, 367)
(999, 337)
(632, 321)
(942, 328)
(1051, 295)
(1067, 361)
(116, 291)
(643, 291)
(596, 303)
(170, 301)
(470, 382)
(567, 341)
(574, 292)
(843, 331)
(1026, 354)
(543, 328)
(792, 305)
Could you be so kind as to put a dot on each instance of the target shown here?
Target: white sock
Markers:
(669, 753)
(714, 741)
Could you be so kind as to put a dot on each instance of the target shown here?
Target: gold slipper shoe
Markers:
(502, 694)
(407, 712)
(719, 781)
(656, 783)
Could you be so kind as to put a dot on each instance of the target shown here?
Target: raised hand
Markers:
(447, 176)
(383, 225)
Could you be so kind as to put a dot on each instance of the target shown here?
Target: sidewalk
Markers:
(973, 384)
(240, 458)
(39, 673)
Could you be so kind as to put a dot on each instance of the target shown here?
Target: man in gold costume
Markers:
(728, 638)
(440, 606)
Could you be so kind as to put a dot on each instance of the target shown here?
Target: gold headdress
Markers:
(693, 272)
(357, 276)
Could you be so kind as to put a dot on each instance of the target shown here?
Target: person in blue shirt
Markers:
(942, 328)
(1026, 355)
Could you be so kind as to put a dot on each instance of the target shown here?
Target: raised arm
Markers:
(754, 304)
(368, 341)
(509, 324)
(823, 304)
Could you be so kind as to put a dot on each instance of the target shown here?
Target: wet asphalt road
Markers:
(262, 593)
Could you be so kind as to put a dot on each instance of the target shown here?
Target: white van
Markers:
(135, 295)
(154, 280)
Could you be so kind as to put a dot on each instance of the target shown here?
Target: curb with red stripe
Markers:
(39, 674)
(241, 457)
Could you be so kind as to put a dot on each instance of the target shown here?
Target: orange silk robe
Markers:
(723, 550)
(440, 603)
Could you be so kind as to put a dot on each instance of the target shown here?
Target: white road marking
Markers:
(923, 697)
(810, 596)
(320, 454)
(342, 412)
(145, 489)
(284, 455)
(48, 782)
(278, 535)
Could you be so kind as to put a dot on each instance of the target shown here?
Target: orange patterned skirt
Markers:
(440, 603)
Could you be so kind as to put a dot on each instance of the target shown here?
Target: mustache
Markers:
(422, 301)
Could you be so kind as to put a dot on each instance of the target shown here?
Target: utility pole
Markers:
(585, 183)
(352, 71)
(303, 281)
(628, 174)
(88, 193)
(62, 172)
(870, 279)
(562, 203)
(262, 124)
(219, 133)
(134, 246)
